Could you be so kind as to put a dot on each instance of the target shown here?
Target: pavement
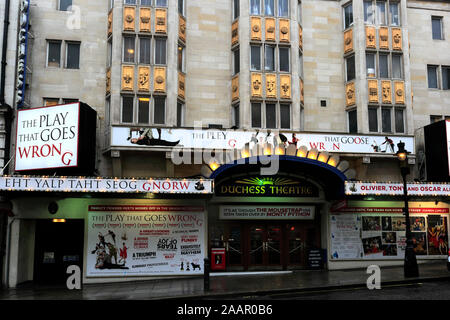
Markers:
(227, 285)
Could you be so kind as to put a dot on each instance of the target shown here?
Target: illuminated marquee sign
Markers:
(264, 186)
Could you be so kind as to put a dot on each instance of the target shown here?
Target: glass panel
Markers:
(73, 56)
(256, 58)
(160, 112)
(274, 245)
(256, 245)
(128, 49)
(271, 119)
(283, 8)
(256, 115)
(348, 15)
(296, 244)
(143, 111)
(350, 65)
(269, 7)
(432, 77)
(234, 246)
(144, 56)
(386, 119)
(445, 78)
(236, 9)
(300, 64)
(269, 53)
(370, 65)
(352, 122)
(161, 3)
(127, 109)
(54, 54)
(180, 114)
(236, 116)
(395, 17)
(180, 58)
(368, 12)
(381, 12)
(65, 4)
(373, 119)
(146, 2)
(255, 7)
(160, 51)
(384, 69)
(237, 63)
(285, 116)
(181, 7)
(437, 29)
(284, 59)
(399, 121)
(396, 66)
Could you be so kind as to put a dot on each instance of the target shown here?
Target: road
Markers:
(439, 290)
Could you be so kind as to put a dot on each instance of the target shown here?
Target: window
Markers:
(370, 65)
(284, 59)
(181, 114)
(446, 78)
(130, 1)
(144, 110)
(399, 120)
(127, 109)
(255, 7)
(159, 116)
(73, 56)
(300, 64)
(161, 3)
(381, 12)
(256, 115)
(51, 101)
(144, 50)
(373, 119)
(236, 61)
(109, 54)
(235, 9)
(285, 116)
(69, 101)
(434, 119)
(436, 25)
(269, 58)
(283, 8)
(299, 12)
(235, 116)
(432, 77)
(350, 67)
(271, 117)
(255, 58)
(348, 16)
(54, 54)
(181, 59)
(386, 119)
(64, 5)
(383, 66)
(146, 2)
(352, 121)
(181, 7)
(368, 12)
(269, 7)
(160, 51)
(394, 13)
(397, 66)
(110, 5)
(128, 49)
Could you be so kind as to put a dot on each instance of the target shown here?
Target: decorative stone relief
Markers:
(397, 39)
(371, 40)
(181, 85)
(129, 18)
(161, 21)
(350, 94)
(373, 91)
(182, 28)
(284, 30)
(159, 79)
(271, 86)
(235, 32)
(256, 32)
(128, 78)
(285, 86)
(348, 40)
(144, 21)
(384, 38)
(144, 79)
(235, 88)
(386, 92)
(399, 87)
(256, 85)
(270, 29)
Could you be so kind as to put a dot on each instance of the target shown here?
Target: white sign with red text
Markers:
(379, 188)
(72, 184)
(47, 137)
(267, 212)
(145, 240)
(237, 139)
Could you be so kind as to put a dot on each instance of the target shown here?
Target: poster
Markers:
(145, 240)
(384, 236)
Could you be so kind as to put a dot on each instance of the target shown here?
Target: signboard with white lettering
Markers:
(236, 139)
(71, 184)
(267, 212)
(47, 137)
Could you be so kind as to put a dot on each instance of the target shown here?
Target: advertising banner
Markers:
(145, 240)
(47, 137)
(72, 184)
(267, 212)
(235, 139)
(381, 188)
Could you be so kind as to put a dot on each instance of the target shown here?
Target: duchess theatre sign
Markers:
(54, 137)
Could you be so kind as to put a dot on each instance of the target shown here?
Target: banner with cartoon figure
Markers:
(145, 240)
